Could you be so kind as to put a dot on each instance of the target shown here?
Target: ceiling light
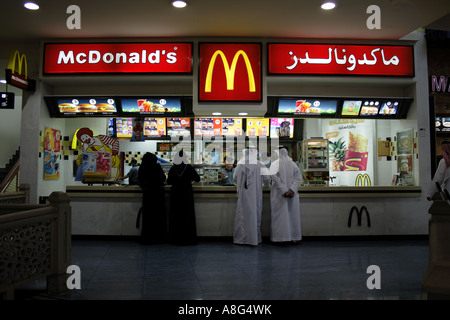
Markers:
(2, 81)
(179, 4)
(217, 113)
(31, 5)
(243, 113)
(328, 5)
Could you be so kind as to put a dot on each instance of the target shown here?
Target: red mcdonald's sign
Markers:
(230, 72)
(334, 59)
(117, 58)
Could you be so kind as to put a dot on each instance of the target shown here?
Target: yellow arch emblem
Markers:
(22, 62)
(230, 71)
(363, 180)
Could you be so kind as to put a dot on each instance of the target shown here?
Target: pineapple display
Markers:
(337, 150)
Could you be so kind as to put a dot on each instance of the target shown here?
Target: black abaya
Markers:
(154, 216)
(182, 223)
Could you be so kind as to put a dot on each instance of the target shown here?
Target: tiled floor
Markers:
(311, 270)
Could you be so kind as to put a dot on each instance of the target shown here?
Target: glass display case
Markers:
(315, 161)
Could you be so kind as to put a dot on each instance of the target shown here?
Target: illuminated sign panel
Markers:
(324, 59)
(101, 58)
(19, 77)
(230, 72)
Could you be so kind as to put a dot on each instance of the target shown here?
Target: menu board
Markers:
(218, 126)
(281, 128)
(351, 107)
(178, 127)
(150, 106)
(95, 107)
(443, 124)
(124, 127)
(154, 127)
(389, 108)
(370, 108)
(307, 107)
(258, 127)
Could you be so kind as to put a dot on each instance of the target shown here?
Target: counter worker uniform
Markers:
(285, 211)
(228, 179)
(133, 175)
(442, 175)
(249, 180)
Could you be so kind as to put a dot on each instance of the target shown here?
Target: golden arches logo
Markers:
(363, 180)
(22, 62)
(230, 71)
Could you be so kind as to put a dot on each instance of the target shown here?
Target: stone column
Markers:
(62, 250)
(436, 282)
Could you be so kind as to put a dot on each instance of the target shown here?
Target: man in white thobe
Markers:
(284, 201)
(249, 181)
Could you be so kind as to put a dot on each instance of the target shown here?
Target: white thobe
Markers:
(285, 212)
(249, 182)
(442, 177)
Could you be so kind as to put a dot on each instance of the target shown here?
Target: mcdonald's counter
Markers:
(324, 211)
(200, 190)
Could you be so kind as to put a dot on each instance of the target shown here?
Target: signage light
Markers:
(230, 72)
(330, 59)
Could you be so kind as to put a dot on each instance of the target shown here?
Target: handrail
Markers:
(14, 172)
(31, 214)
(35, 243)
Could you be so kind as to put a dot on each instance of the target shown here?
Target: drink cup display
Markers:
(355, 161)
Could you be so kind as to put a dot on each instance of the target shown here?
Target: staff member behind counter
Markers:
(132, 175)
(227, 172)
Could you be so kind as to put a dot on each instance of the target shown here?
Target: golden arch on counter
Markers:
(230, 72)
(363, 180)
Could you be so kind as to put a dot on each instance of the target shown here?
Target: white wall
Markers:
(9, 120)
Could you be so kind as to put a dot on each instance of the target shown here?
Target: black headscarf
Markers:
(149, 170)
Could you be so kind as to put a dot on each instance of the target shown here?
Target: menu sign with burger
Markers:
(86, 107)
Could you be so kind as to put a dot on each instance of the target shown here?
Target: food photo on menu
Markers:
(351, 108)
(388, 108)
(151, 106)
(370, 108)
(87, 106)
(307, 107)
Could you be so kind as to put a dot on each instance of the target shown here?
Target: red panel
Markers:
(88, 58)
(323, 59)
(230, 72)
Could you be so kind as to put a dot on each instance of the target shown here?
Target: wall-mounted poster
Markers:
(405, 150)
(351, 151)
(405, 142)
(52, 149)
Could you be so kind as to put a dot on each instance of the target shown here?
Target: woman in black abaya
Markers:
(182, 223)
(154, 216)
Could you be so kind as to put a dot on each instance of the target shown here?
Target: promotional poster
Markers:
(52, 149)
(350, 151)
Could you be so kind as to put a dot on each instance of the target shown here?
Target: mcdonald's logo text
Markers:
(230, 72)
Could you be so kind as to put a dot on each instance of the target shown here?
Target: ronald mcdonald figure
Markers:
(100, 143)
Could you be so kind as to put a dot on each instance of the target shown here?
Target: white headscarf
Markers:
(279, 167)
(180, 157)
